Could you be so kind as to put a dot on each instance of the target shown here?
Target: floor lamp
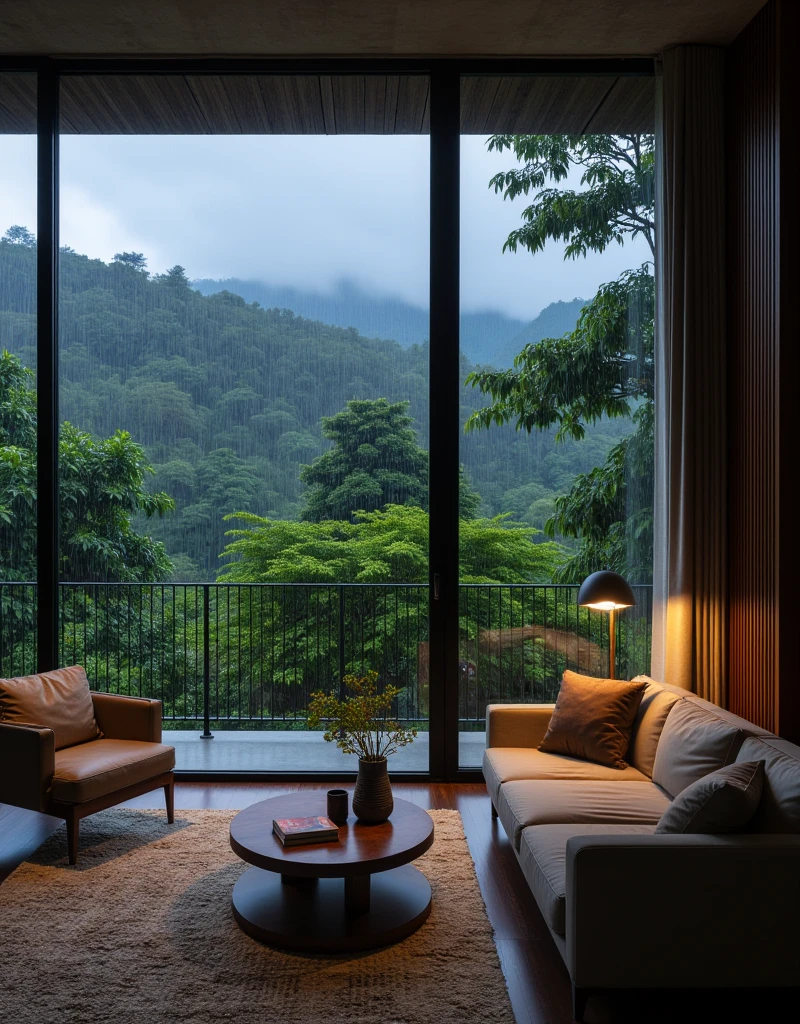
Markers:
(607, 591)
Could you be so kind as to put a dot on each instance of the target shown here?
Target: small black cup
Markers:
(337, 805)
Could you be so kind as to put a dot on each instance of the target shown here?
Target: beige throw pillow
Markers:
(593, 718)
(723, 801)
(59, 700)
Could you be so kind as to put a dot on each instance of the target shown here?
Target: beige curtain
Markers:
(689, 582)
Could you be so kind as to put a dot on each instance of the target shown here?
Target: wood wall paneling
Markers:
(788, 369)
(752, 131)
(764, 427)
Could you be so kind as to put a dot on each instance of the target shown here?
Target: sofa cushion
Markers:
(556, 802)
(714, 709)
(60, 700)
(593, 719)
(510, 764)
(694, 742)
(543, 859)
(104, 766)
(654, 707)
(723, 801)
(779, 809)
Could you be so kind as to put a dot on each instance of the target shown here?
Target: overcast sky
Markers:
(306, 211)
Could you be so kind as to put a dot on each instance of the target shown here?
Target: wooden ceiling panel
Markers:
(348, 93)
(17, 104)
(293, 104)
(329, 104)
(130, 105)
(228, 105)
(629, 107)
(541, 105)
(413, 117)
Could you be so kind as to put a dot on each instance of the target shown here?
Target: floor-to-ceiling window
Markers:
(557, 265)
(243, 352)
(18, 420)
(263, 472)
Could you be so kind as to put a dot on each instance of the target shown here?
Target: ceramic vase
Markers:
(372, 799)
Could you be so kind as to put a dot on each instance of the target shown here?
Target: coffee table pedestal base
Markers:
(316, 917)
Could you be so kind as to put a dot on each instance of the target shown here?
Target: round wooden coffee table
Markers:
(358, 893)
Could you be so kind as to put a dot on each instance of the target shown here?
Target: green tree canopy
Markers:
(101, 491)
(18, 235)
(384, 546)
(375, 461)
(604, 368)
(137, 260)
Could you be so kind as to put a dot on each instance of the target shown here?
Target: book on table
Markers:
(298, 831)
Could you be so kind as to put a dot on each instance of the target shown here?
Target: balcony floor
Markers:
(297, 751)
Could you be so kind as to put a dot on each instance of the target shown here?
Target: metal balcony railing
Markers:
(250, 655)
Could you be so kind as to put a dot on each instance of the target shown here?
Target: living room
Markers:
(394, 560)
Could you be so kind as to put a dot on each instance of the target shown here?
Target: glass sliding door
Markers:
(557, 264)
(244, 388)
(18, 420)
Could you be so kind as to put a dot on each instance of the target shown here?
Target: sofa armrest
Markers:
(27, 763)
(682, 911)
(517, 725)
(128, 718)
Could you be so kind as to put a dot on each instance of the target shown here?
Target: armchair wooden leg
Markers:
(169, 793)
(73, 831)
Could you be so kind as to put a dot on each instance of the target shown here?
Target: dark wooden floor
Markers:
(537, 979)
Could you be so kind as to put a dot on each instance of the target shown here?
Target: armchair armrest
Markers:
(27, 763)
(651, 911)
(517, 725)
(127, 718)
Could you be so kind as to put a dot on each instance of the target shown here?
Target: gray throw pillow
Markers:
(723, 801)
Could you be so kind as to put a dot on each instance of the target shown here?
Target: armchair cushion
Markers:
(59, 700)
(95, 769)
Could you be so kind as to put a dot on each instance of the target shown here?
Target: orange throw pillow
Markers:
(593, 719)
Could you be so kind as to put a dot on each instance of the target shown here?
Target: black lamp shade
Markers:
(606, 590)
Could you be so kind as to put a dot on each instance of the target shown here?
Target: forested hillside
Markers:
(487, 336)
(226, 397)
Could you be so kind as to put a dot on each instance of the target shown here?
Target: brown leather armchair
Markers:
(126, 760)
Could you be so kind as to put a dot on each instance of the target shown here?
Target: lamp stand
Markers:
(612, 643)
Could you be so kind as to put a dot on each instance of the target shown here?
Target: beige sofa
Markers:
(631, 909)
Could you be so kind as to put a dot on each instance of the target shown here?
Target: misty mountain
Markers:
(554, 321)
(487, 336)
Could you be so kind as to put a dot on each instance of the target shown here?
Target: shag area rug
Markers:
(141, 931)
